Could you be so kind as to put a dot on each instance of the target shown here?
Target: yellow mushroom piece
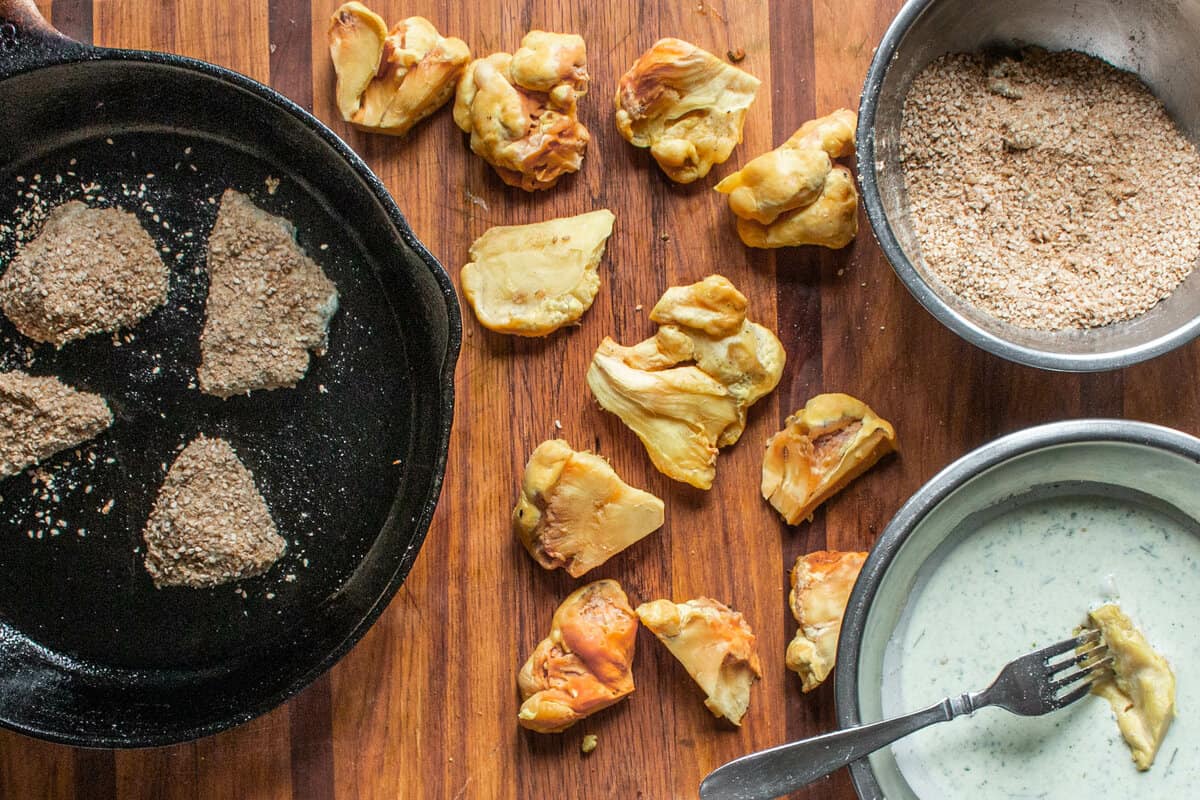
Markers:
(714, 644)
(686, 105)
(822, 447)
(531, 280)
(584, 665)
(521, 110)
(575, 512)
(795, 195)
(678, 413)
(821, 585)
(685, 391)
(388, 81)
(1140, 687)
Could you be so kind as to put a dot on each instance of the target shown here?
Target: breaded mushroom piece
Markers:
(209, 525)
(268, 304)
(89, 270)
(41, 416)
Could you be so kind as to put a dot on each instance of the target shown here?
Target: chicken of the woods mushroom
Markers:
(795, 194)
(584, 665)
(388, 81)
(714, 644)
(686, 105)
(1140, 686)
(822, 447)
(821, 584)
(685, 391)
(531, 280)
(575, 512)
(521, 110)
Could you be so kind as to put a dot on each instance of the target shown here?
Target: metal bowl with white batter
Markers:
(1014, 591)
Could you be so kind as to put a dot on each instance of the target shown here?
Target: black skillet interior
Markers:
(350, 461)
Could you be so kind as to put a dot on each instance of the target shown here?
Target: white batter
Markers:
(1026, 579)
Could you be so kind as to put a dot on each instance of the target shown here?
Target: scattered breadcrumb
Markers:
(589, 743)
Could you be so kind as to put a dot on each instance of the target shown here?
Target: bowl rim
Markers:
(916, 284)
(929, 496)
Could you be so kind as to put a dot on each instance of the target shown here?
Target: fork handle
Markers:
(780, 770)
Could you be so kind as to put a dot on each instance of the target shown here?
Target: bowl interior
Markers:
(1159, 41)
(1133, 472)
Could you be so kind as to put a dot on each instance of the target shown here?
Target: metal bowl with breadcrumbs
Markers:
(1156, 41)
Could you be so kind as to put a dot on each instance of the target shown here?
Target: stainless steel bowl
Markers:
(1102, 457)
(1157, 39)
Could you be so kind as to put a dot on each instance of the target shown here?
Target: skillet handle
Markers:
(27, 40)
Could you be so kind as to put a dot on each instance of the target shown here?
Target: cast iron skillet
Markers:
(350, 462)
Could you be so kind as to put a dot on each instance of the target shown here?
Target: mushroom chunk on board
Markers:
(686, 105)
(822, 447)
(714, 644)
(585, 664)
(575, 512)
(686, 390)
(521, 110)
(388, 81)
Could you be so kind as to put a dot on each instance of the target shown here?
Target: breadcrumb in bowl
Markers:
(1157, 46)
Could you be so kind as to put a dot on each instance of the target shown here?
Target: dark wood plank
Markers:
(290, 26)
(74, 18)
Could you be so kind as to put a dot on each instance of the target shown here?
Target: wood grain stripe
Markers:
(798, 297)
(95, 774)
(290, 25)
(310, 721)
(73, 18)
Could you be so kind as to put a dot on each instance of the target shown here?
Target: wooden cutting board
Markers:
(425, 706)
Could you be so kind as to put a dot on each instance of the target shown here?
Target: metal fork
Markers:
(1031, 685)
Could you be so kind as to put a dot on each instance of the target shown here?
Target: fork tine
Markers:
(1091, 672)
(1058, 648)
(1071, 696)
(1055, 667)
